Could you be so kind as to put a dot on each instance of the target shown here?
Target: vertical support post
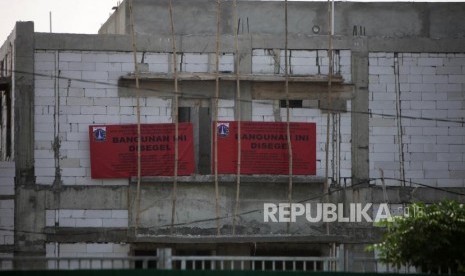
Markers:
(164, 258)
(238, 115)
(288, 123)
(136, 72)
(346, 259)
(215, 134)
(330, 105)
(400, 133)
(340, 255)
(176, 121)
(56, 127)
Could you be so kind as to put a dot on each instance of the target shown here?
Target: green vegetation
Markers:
(431, 237)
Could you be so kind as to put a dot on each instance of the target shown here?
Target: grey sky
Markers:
(68, 16)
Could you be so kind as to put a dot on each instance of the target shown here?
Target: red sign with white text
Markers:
(113, 150)
(264, 148)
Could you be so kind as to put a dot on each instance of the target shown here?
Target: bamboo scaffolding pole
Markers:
(217, 95)
(176, 121)
(330, 112)
(136, 75)
(400, 134)
(288, 123)
(239, 116)
(328, 118)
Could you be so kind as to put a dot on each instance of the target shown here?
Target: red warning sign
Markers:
(264, 147)
(113, 150)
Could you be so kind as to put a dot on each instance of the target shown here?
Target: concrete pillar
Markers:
(360, 136)
(24, 103)
(360, 164)
(29, 225)
(29, 202)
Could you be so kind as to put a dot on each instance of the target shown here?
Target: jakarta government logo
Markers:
(223, 129)
(100, 134)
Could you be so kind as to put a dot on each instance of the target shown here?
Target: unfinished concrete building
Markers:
(396, 131)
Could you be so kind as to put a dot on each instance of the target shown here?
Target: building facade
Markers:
(396, 124)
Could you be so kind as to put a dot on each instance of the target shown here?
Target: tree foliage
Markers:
(431, 237)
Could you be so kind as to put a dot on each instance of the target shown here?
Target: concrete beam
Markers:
(86, 235)
(144, 43)
(29, 222)
(207, 179)
(7, 248)
(86, 197)
(206, 43)
(416, 45)
(225, 239)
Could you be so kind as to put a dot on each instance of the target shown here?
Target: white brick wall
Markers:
(262, 111)
(6, 264)
(431, 86)
(226, 110)
(7, 178)
(226, 63)
(263, 61)
(194, 62)
(301, 62)
(95, 250)
(7, 210)
(90, 97)
(86, 218)
(203, 62)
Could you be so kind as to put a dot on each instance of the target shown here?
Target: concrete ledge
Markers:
(232, 178)
(91, 234)
(73, 235)
(7, 197)
(7, 249)
(244, 239)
